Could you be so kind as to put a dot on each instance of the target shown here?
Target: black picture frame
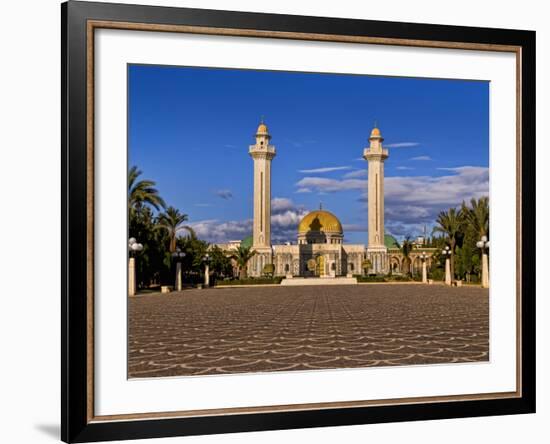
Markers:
(76, 423)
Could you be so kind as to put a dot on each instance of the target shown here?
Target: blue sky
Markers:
(190, 128)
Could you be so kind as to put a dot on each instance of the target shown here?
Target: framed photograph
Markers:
(276, 221)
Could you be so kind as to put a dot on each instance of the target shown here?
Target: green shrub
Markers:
(250, 281)
(399, 278)
(437, 274)
(371, 278)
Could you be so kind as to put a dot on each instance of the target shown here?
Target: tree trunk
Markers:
(242, 273)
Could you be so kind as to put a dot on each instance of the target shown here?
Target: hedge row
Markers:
(250, 281)
(395, 278)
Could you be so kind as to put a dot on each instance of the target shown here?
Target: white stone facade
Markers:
(320, 249)
(331, 260)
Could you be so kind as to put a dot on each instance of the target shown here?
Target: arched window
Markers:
(351, 267)
(333, 266)
(287, 268)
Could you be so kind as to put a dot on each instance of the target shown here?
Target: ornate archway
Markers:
(395, 264)
(417, 265)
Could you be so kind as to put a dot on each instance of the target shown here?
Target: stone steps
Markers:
(298, 281)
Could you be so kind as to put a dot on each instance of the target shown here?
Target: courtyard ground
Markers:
(234, 330)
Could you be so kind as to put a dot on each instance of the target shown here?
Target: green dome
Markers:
(390, 241)
(247, 242)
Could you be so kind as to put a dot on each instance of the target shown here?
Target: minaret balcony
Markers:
(375, 154)
(268, 150)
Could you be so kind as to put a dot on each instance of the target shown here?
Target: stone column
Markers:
(485, 270)
(448, 271)
(132, 276)
(424, 272)
(178, 285)
(207, 275)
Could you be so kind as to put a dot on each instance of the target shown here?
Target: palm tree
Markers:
(242, 255)
(366, 265)
(449, 223)
(172, 221)
(477, 215)
(406, 249)
(142, 192)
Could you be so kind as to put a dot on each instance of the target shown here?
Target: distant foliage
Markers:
(460, 230)
(161, 231)
(241, 256)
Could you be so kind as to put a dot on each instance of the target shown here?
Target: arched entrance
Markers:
(395, 265)
(417, 266)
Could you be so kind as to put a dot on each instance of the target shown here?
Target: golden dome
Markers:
(262, 129)
(320, 220)
(375, 132)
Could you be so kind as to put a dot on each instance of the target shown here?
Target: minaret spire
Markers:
(262, 153)
(375, 155)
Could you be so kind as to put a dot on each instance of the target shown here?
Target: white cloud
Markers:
(403, 168)
(411, 202)
(414, 201)
(216, 231)
(466, 182)
(355, 174)
(421, 158)
(224, 194)
(323, 184)
(325, 169)
(281, 204)
(466, 170)
(285, 217)
(284, 223)
(401, 145)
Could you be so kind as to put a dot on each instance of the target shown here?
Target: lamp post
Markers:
(446, 252)
(206, 259)
(178, 255)
(483, 245)
(133, 248)
(423, 257)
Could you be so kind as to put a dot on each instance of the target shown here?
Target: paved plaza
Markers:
(234, 330)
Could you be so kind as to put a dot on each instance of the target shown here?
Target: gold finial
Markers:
(262, 128)
(376, 131)
(320, 205)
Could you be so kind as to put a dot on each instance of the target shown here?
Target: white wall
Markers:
(29, 222)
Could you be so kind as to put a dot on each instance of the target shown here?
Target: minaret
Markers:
(262, 153)
(375, 154)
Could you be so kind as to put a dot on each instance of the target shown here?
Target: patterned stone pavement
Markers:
(234, 330)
